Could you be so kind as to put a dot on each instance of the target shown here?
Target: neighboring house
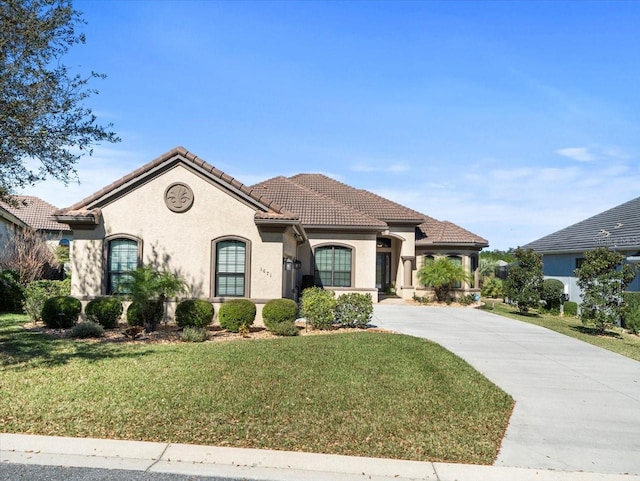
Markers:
(35, 213)
(230, 240)
(563, 251)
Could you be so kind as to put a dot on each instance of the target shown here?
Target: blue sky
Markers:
(511, 119)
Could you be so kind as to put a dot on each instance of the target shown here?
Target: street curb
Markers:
(257, 464)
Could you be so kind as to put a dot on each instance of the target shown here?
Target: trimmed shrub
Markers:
(285, 329)
(237, 314)
(37, 292)
(318, 307)
(354, 310)
(467, 299)
(11, 292)
(194, 334)
(552, 290)
(194, 313)
(570, 308)
(153, 310)
(631, 312)
(492, 287)
(106, 311)
(277, 311)
(61, 312)
(86, 329)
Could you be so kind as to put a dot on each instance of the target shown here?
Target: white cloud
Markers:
(581, 154)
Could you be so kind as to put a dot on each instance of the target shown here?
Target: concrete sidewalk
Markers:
(577, 405)
(254, 464)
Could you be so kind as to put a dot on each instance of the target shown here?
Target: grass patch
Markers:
(614, 340)
(364, 394)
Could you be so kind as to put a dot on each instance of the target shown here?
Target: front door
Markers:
(383, 270)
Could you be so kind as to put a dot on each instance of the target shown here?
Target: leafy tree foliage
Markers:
(603, 280)
(524, 282)
(147, 284)
(498, 255)
(42, 112)
(552, 291)
(442, 274)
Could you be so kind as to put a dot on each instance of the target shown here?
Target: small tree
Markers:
(43, 117)
(524, 282)
(148, 284)
(603, 280)
(442, 274)
(28, 254)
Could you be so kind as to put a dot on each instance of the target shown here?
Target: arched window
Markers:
(122, 258)
(230, 268)
(333, 266)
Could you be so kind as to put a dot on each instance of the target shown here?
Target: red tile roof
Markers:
(179, 154)
(322, 201)
(34, 212)
(313, 208)
(314, 200)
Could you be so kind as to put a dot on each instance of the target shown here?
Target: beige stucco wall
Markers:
(363, 261)
(464, 253)
(180, 242)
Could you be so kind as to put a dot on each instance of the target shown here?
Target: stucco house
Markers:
(563, 251)
(35, 213)
(228, 240)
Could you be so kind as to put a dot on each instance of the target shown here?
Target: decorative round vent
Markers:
(178, 197)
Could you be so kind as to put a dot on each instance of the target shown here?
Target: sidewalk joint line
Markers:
(166, 446)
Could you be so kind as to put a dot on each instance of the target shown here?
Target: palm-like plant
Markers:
(442, 274)
(148, 288)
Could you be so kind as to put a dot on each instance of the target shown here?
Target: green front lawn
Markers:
(365, 394)
(614, 340)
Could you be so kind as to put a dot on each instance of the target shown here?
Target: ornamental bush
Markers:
(37, 292)
(105, 311)
(61, 312)
(237, 314)
(570, 308)
(286, 328)
(194, 313)
(552, 290)
(631, 312)
(11, 292)
(154, 310)
(318, 307)
(194, 334)
(492, 287)
(277, 311)
(354, 310)
(86, 329)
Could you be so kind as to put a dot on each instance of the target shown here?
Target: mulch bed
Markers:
(170, 333)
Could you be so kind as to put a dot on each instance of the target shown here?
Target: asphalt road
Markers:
(30, 472)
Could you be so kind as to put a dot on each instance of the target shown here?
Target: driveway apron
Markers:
(577, 406)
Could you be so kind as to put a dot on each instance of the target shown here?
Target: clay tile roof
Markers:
(313, 208)
(433, 231)
(177, 154)
(362, 200)
(34, 212)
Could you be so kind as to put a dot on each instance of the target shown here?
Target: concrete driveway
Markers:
(577, 406)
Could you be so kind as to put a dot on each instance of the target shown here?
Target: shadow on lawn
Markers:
(21, 347)
(592, 331)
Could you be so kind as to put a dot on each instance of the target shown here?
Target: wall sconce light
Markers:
(297, 265)
(288, 264)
